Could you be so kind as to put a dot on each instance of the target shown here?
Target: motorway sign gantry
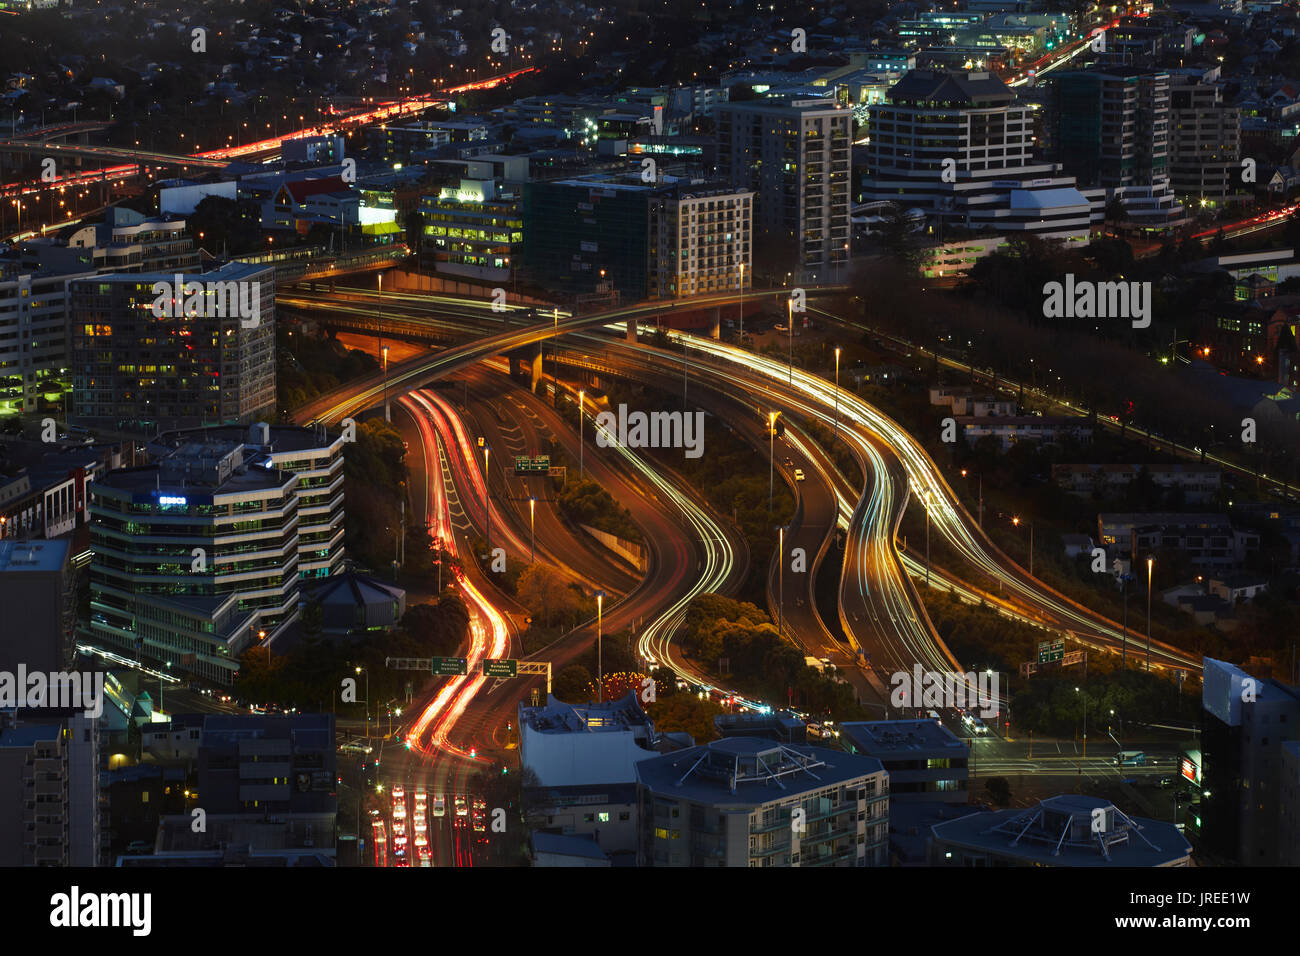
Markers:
(504, 667)
(449, 665)
(1050, 651)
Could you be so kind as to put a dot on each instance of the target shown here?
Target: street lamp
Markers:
(487, 496)
(780, 566)
(361, 670)
(1085, 724)
(927, 537)
(582, 400)
(1150, 564)
(532, 529)
(387, 415)
(837, 391)
(1016, 521)
(771, 456)
(600, 680)
(980, 519)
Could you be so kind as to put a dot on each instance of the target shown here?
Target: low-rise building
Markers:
(568, 745)
(1208, 540)
(745, 801)
(1197, 482)
(1048, 429)
(1068, 830)
(924, 759)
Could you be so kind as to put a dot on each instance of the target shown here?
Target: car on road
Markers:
(480, 821)
(461, 808)
(798, 474)
(439, 806)
(399, 792)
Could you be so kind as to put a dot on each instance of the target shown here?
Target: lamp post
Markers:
(383, 352)
(837, 391)
(487, 496)
(555, 362)
(771, 456)
(532, 529)
(582, 401)
(600, 682)
(1150, 564)
(789, 313)
(980, 519)
(1085, 723)
(742, 304)
(780, 567)
(1016, 521)
(360, 670)
(927, 537)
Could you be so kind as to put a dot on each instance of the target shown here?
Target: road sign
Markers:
(1072, 657)
(505, 667)
(540, 465)
(449, 665)
(1028, 668)
(1050, 651)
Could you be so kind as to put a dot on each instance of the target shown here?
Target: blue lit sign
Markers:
(166, 500)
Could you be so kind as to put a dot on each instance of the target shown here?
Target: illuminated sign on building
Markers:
(170, 500)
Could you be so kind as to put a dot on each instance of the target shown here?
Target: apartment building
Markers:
(1205, 141)
(748, 801)
(700, 240)
(1208, 540)
(1197, 482)
(926, 762)
(795, 160)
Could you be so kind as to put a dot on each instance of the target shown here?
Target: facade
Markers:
(746, 801)
(606, 815)
(1070, 830)
(1208, 540)
(1246, 805)
(959, 146)
(193, 559)
(312, 454)
(38, 593)
(699, 240)
(1017, 428)
(926, 762)
(49, 789)
(136, 370)
(795, 160)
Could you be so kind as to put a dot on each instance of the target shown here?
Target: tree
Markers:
(571, 684)
(545, 593)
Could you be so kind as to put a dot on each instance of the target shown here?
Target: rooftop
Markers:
(22, 555)
(882, 738)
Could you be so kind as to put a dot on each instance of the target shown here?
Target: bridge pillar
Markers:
(331, 284)
(715, 324)
(536, 370)
(631, 329)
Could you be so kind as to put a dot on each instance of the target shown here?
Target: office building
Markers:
(474, 229)
(1068, 830)
(38, 594)
(1246, 805)
(49, 788)
(959, 146)
(926, 762)
(605, 815)
(193, 559)
(34, 358)
(1288, 842)
(746, 801)
(312, 454)
(203, 360)
(795, 160)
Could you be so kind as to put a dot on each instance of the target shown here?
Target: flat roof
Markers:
(32, 555)
(881, 738)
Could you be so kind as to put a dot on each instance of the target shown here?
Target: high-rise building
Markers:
(193, 559)
(795, 160)
(312, 454)
(959, 146)
(34, 357)
(1111, 126)
(1204, 142)
(144, 360)
(1245, 721)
